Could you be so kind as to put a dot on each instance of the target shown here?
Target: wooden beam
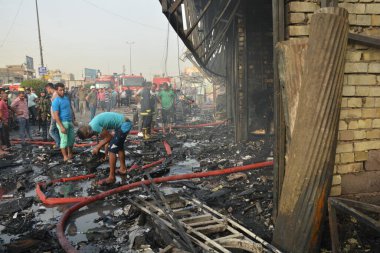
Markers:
(279, 120)
(164, 5)
(364, 39)
(360, 205)
(175, 6)
(242, 244)
(335, 243)
(213, 25)
(310, 165)
(216, 44)
(361, 217)
(199, 19)
(211, 229)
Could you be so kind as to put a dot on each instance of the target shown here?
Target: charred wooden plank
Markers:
(202, 223)
(204, 217)
(211, 229)
(361, 217)
(233, 236)
(310, 165)
(336, 248)
(242, 244)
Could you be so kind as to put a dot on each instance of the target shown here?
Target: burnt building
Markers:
(241, 43)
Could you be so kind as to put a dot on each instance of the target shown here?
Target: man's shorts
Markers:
(167, 115)
(68, 139)
(117, 142)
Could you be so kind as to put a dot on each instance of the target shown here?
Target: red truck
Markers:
(133, 82)
(105, 82)
(160, 80)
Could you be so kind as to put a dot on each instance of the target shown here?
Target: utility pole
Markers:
(130, 43)
(39, 35)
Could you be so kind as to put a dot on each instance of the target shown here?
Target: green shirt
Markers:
(92, 98)
(167, 98)
(107, 120)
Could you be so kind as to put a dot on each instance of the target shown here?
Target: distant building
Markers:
(15, 74)
(57, 76)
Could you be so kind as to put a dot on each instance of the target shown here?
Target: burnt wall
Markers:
(259, 64)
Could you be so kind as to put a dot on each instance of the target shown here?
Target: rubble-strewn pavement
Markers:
(115, 224)
(29, 226)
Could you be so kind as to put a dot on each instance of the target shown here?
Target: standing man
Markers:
(53, 130)
(143, 97)
(4, 118)
(64, 116)
(101, 124)
(137, 117)
(114, 95)
(75, 98)
(82, 100)
(101, 98)
(153, 102)
(128, 96)
(123, 97)
(107, 99)
(20, 106)
(92, 102)
(166, 98)
(32, 105)
(44, 107)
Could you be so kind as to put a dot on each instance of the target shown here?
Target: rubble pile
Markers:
(246, 196)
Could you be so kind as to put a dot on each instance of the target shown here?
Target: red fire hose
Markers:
(56, 201)
(167, 147)
(66, 200)
(52, 143)
(61, 224)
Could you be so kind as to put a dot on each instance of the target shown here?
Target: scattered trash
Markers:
(237, 176)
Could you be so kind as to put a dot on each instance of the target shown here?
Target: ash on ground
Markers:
(29, 226)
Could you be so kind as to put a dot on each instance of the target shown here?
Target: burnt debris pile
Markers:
(148, 218)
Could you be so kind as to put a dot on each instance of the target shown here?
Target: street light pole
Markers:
(39, 35)
(130, 43)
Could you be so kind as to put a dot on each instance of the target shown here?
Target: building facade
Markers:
(15, 74)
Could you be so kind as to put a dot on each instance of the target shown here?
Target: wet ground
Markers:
(29, 226)
(116, 224)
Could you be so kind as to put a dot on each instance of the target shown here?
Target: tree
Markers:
(37, 84)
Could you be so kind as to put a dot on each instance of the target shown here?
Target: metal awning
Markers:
(202, 26)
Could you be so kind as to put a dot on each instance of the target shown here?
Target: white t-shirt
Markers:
(31, 98)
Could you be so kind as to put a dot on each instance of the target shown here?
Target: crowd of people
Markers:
(54, 110)
(106, 99)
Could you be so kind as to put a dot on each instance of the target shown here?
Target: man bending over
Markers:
(101, 124)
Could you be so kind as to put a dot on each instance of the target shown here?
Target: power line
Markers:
(13, 22)
(122, 17)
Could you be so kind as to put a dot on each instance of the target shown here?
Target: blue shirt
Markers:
(107, 120)
(62, 105)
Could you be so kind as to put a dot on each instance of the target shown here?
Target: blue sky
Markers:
(89, 33)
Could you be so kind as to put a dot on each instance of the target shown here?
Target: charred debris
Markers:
(129, 222)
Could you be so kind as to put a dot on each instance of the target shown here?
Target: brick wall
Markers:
(357, 162)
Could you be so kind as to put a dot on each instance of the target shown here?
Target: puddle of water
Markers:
(84, 219)
(184, 167)
(6, 238)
